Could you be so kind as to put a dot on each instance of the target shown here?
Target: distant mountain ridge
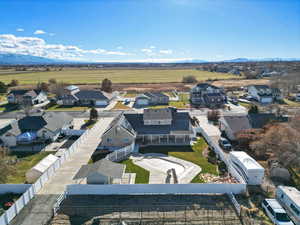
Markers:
(18, 59)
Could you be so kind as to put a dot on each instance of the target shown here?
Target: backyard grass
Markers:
(121, 106)
(193, 154)
(88, 124)
(84, 76)
(142, 175)
(7, 107)
(130, 95)
(26, 161)
(291, 103)
(67, 108)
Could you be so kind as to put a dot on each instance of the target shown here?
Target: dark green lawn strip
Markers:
(142, 175)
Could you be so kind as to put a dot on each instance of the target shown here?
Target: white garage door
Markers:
(142, 102)
(101, 103)
(266, 100)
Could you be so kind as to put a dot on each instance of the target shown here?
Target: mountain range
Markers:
(18, 59)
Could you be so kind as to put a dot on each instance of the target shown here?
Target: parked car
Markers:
(126, 102)
(275, 212)
(225, 144)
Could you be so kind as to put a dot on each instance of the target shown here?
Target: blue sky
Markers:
(151, 30)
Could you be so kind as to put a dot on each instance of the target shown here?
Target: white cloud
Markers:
(39, 32)
(120, 47)
(166, 52)
(38, 47)
(146, 50)
(152, 47)
(20, 29)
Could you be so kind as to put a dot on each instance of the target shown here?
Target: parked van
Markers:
(247, 167)
(289, 197)
(275, 212)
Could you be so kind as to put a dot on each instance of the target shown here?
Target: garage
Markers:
(101, 103)
(266, 100)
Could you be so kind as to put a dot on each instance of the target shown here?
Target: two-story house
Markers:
(207, 95)
(164, 126)
(27, 97)
(264, 94)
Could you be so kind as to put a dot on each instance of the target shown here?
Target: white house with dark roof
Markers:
(151, 98)
(41, 128)
(264, 94)
(152, 127)
(74, 96)
(207, 95)
(29, 97)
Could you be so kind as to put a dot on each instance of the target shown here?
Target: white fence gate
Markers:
(121, 154)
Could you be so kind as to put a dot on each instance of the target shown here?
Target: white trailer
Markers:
(289, 197)
(247, 167)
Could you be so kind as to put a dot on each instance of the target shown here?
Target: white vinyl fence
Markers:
(121, 154)
(218, 150)
(34, 188)
(157, 189)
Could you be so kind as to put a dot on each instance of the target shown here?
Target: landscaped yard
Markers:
(193, 154)
(85, 76)
(291, 103)
(8, 107)
(26, 160)
(4, 198)
(121, 106)
(67, 108)
(142, 175)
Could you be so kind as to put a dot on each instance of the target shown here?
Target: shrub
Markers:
(3, 87)
(213, 115)
(14, 83)
(189, 79)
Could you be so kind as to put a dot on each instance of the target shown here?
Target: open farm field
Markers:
(84, 76)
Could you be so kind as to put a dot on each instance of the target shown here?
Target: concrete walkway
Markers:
(40, 209)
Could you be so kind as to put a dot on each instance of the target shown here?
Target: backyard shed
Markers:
(35, 172)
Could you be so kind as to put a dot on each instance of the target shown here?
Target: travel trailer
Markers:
(289, 197)
(247, 167)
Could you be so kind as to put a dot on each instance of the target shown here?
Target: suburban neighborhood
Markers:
(137, 112)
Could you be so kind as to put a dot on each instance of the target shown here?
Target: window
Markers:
(295, 209)
(265, 202)
(271, 210)
(108, 140)
(126, 140)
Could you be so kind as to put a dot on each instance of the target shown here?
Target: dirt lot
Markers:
(158, 210)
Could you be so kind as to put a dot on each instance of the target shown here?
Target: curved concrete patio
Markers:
(159, 164)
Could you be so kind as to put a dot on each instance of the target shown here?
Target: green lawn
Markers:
(121, 106)
(8, 107)
(142, 175)
(89, 123)
(193, 154)
(184, 97)
(291, 103)
(83, 76)
(27, 161)
(67, 108)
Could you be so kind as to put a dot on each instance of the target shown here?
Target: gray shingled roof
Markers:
(155, 94)
(104, 167)
(180, 124)
(237, 123)
(50, 120)
(90, 95)
(157, 114)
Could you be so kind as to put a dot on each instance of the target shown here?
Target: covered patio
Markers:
(166, 139)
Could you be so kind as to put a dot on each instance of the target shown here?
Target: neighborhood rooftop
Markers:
(104, 167)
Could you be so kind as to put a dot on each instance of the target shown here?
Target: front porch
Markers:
(163, 139)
